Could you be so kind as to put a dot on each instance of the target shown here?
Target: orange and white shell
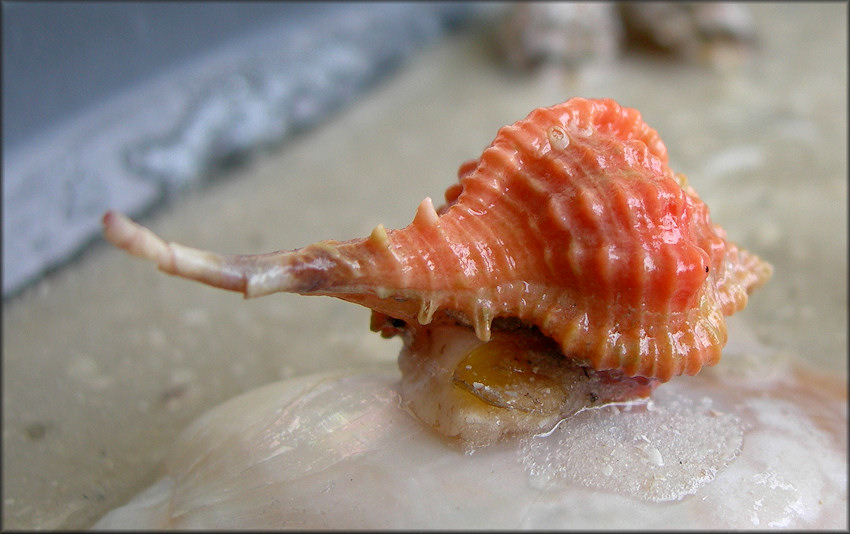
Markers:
(570, 221)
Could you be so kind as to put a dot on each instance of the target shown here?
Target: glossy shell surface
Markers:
(570, 221)
(573, 221)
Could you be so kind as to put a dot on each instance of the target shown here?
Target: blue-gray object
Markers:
(119, 105)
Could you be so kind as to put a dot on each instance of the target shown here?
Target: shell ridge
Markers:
(614, 268)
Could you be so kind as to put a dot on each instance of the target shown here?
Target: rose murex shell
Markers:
(571, 221)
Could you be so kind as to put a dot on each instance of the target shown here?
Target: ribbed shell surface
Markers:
(572, 221)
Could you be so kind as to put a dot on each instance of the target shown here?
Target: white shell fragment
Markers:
(728, 448)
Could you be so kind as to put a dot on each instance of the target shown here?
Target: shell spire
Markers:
(570, 221)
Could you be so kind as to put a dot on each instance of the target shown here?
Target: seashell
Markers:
(718, 33)
(533, 35)
(571, 222)
(538, 34)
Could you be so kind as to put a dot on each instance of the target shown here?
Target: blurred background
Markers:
(250, 127)
(125, 104)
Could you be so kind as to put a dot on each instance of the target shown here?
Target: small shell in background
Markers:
(715, 33)
(571, 35)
